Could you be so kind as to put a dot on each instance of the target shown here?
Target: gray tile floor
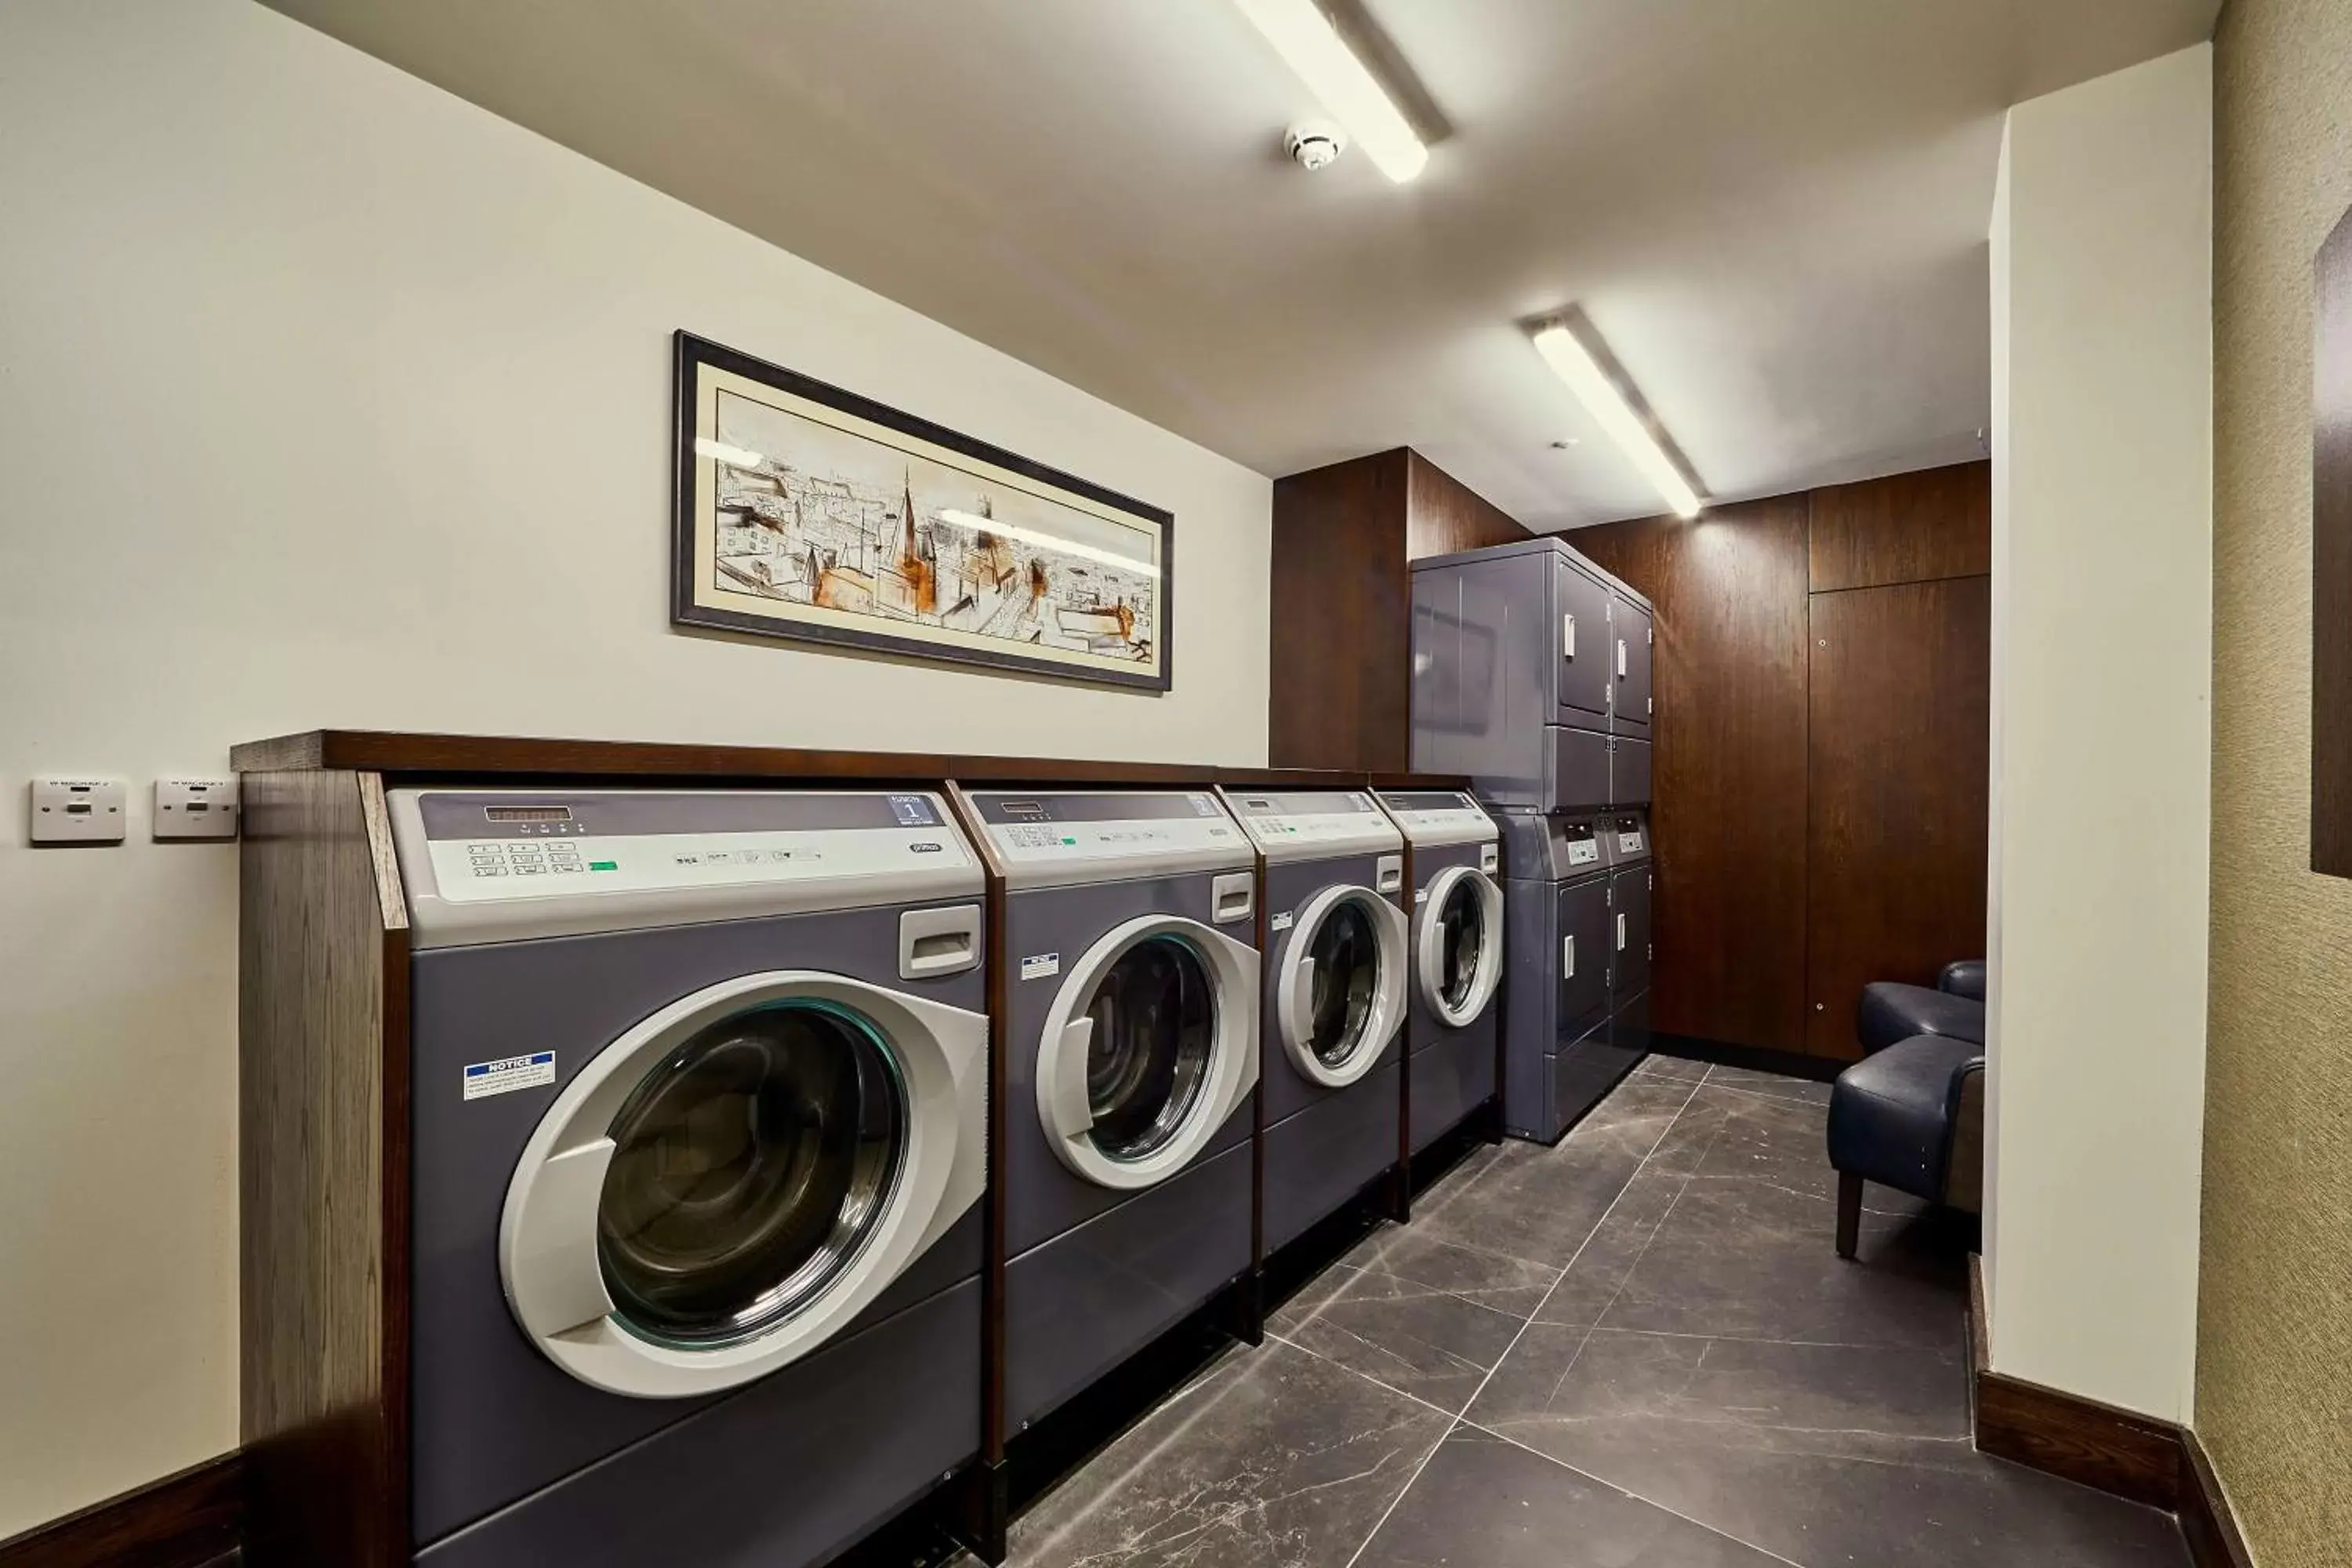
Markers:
(1637, 1350)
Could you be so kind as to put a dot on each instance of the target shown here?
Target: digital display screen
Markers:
(528, 812)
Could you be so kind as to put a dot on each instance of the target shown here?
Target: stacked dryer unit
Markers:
(1458, 950)
(1331, 895)
(699, 1107)
(1531, 675)
(1129, 1051)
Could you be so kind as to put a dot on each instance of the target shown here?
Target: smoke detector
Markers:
(1312, 143)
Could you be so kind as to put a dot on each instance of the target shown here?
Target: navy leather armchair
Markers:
(1910, 1114)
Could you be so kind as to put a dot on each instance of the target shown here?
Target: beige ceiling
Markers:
(1773, 210)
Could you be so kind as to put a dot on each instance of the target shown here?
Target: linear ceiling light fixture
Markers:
(1303, 36)
(1574, 364)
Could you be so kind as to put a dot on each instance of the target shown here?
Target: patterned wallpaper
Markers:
(2274, 1331)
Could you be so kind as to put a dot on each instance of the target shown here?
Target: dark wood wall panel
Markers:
(2331, 559)
(1444, 515)
(1341, 642)
(322, 1099)
(1900, 728)
(1730, 770)
(1906, 528)
(1341, 617)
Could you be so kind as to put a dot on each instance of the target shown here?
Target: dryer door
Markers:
(1151, 1043)
(1459, 955)
(1341, 994)
(733, 1180)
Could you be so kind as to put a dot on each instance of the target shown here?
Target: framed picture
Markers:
(811, 513)
(2331, 555)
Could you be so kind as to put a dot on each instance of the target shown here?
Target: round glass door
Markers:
(1346, 982)
(749, 1168)
(1155, 1017)
(1461, 943)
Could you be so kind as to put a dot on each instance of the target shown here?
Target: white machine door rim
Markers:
(728, 1184)
(1088, 1068)
(1433, 950)
(1296, 1015)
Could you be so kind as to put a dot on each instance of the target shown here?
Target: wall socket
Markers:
(196, 808)
(78, 811)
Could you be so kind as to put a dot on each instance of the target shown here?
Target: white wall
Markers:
(2102, 721)
(328, 399)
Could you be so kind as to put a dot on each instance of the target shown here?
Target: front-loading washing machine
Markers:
(699, 1120)
(1332, 1021)
(1458, 958)
(1130, 1034)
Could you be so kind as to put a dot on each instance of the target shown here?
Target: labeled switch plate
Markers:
(78, 811)
(196, 808)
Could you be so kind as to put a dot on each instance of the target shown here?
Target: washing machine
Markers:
(1456, 952)
(1130, 976)
(1332, 1020)
(700, 1104)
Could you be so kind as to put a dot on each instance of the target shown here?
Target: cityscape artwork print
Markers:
(808, 512)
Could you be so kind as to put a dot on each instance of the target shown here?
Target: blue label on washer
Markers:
(508, 1074)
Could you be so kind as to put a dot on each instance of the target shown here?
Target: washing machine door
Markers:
(1151, 1043)
(728, 1184)
(1459, 952)
(1339, 995)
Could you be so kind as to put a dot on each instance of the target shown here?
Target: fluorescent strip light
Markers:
(979, 524)
(1307, 41)
(1574, 364)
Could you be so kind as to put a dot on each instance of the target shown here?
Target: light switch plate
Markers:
(196, 808)
(78, 811)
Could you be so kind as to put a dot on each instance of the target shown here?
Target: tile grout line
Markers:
(1631, 1497)
(1382, 1523)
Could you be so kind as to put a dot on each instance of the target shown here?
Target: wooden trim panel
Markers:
(406, 755)
(185, 1520)
(322, 1070)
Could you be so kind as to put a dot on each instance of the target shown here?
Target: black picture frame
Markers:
(699, 599)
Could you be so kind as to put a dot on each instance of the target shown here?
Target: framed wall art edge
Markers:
(807, 514)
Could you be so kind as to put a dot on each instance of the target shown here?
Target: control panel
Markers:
(492, 846)
(1628, 836)
(1294, 825)
(1105, 834)
(1438, 816)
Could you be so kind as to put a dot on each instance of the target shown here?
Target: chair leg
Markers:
(1849, 1212)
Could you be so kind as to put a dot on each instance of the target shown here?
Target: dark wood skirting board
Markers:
(2152, 1461)
(185, 1520)
(2214, 1541)
(1756, 1058)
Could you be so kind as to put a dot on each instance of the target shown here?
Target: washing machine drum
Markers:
(1458, 956)
(726, 1186)
(1151, 1044)
(1339, 995)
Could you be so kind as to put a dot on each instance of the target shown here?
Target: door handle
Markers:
(1620, 659)
(1568, 636)
(1568, 957)
(1621, 933)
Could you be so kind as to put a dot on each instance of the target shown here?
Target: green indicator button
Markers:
(603, 865)
(1070, 841)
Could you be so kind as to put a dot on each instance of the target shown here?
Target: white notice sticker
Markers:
(1041, 965)
(1629, 844)
(510, 1073)
(1283, 921)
